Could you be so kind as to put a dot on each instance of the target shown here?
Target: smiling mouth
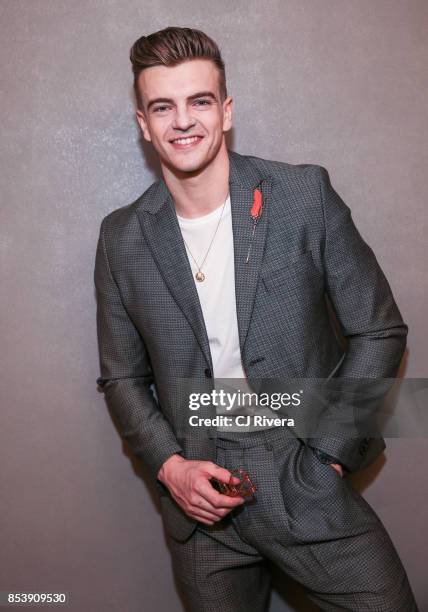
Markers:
(186, 141)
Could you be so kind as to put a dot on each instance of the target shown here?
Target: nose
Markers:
(183, 121)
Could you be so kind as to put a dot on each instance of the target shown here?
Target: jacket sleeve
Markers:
(126, 375)
(368, 316)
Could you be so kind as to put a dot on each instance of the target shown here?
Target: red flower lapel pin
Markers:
(256, 209)
(255, 213)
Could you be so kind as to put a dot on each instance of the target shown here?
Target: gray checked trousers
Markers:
(305, 519)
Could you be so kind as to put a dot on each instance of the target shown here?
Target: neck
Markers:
(198, 194)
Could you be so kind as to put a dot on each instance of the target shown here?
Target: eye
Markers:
(160, 109)
(203, 102)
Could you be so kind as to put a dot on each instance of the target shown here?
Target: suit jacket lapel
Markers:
(244, 178)
(162, 232)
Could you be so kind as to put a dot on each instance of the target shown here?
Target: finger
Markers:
(208, 492)
(202, 513)
(203, 505)
(338, 468)
(199, 514)
(218, 509)
(202, 520)
(220, 473)
(218, 500)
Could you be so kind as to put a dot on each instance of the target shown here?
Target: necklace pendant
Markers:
(200, 276)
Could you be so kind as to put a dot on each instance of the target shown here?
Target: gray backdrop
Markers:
(340, 83)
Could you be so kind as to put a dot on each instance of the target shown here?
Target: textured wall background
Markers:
(341, 83)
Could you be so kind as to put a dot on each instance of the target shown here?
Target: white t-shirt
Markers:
(217, 297)
(217, 291)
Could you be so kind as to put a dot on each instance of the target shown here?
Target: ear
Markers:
(227, 114)
(141, 118)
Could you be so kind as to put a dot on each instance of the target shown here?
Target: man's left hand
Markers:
(338, 468)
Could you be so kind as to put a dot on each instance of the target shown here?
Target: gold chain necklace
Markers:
(199, 275)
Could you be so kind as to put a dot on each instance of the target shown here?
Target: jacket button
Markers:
(208, 373)
(256, 360)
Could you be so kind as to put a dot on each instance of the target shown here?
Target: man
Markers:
(220, 271)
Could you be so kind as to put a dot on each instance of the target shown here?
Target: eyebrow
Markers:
(199, 94)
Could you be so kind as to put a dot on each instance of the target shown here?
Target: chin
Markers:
(189, 166)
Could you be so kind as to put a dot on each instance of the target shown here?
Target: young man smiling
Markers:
(187, 132)
(190, 286)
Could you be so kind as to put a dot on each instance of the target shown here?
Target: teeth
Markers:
(186, 140)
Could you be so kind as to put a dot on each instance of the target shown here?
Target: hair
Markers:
(173, 46)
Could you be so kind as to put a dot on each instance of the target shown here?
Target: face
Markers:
(183, 115)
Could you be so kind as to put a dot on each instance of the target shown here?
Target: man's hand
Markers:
(189, 484)
(329, 460)
(338, 468)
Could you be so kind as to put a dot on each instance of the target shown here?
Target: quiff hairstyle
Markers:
(173, 46)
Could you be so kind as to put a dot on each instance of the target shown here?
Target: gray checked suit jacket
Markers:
(150, 325)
